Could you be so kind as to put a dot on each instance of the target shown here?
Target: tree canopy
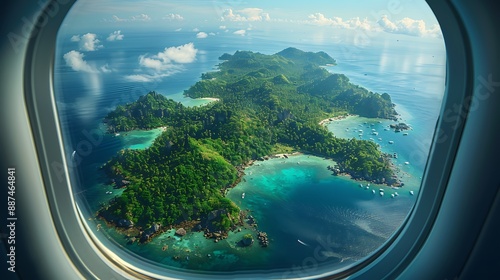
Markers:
(267, 102)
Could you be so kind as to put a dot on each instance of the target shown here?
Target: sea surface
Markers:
(314, 220)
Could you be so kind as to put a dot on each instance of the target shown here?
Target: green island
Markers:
(268, 104)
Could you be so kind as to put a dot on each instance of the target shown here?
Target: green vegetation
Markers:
(268, 103)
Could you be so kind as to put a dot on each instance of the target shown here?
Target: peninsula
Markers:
(268, 104)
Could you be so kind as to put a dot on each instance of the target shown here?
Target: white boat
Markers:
(392, 195)
(406, 162)
(375, 133)
(360, 185)
(405, 134)
(367, 187)
(117, 134)
(73, 155)
(373, 129)
(381, 193)
(396, 193)
(411, 192)
(301, 242)
(391, 142)
(373, 191)
(243, 195)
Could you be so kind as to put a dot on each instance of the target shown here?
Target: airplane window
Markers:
(284, 138)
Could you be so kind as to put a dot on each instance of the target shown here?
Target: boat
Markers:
(391, 142)
(380, 139)
(73, 155)
(395, 155)
(407, 162)
(373, 191)
(117, 134)
(360, 185)
(375, 133)
(405, 134)
(243, 195)
(301, 242)
(396, 193)
(373, 129)
(368, 186)
(411, 192)
(392, 195)
(381, 193)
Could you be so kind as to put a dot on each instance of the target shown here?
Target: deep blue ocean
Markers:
(336, 221)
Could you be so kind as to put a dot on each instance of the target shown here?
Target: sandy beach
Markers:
(326, 121)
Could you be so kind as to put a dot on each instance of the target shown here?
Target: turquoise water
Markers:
(292, 199)
(139, 139)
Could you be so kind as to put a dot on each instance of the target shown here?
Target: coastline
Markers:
(147, 235)
(337, 118)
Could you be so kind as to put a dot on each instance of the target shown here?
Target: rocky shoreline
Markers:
(393, 181)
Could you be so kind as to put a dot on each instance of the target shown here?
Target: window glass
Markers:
(230, 136)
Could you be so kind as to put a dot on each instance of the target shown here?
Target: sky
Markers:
(92, 24)
(409, 17)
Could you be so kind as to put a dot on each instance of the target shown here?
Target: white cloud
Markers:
(178, 29)
(241, 32)
(106, 69)
(115, 36)
(117, 19)
(181, 54)
(201, 35)
(173, 17)
(75, 60)
(211, 34)
(87, 42)
(195, 30)
(141, 17)
(405, 26)
(222, 27)
(247, 14)
(354, 23)
(140, 78)
(165, 63)
(152, 63)
(409, 26)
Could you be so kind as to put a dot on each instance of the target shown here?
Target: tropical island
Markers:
(268, 104)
